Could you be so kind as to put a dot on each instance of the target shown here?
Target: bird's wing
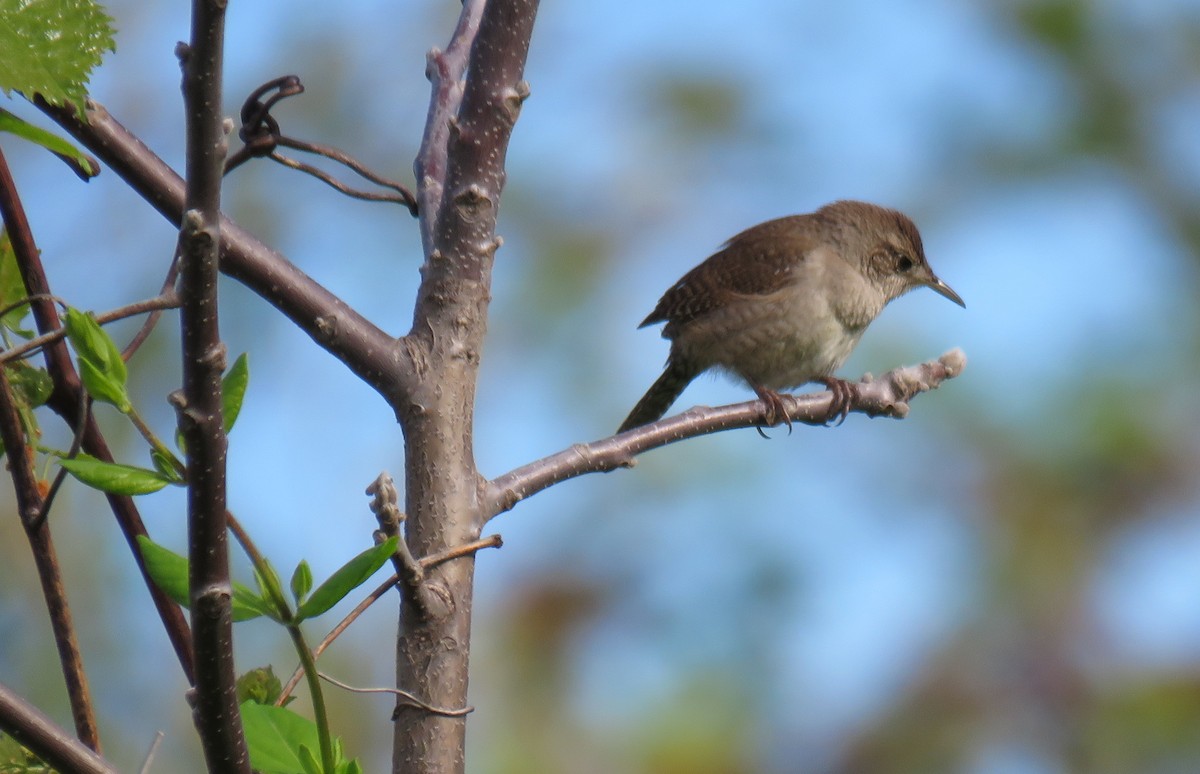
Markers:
(757, 261)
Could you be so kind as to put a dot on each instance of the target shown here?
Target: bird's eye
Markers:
(903, 262)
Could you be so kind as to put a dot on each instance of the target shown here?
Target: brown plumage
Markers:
(784, 302)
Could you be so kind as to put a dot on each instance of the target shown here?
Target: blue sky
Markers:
(1065, 272)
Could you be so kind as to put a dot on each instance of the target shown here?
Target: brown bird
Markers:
(785, 302)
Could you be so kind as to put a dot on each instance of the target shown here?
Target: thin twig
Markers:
(149, 759)
(336, 632)
(29, 497)
(492, 541)
(262, 136)
(153, 305)
(407, 698)
(457, 552)
(29, 300)
(45, 558)
(85, 411)
(46, 739)
(166, 291)
(402, 197)
(887, 396)
(367, 350)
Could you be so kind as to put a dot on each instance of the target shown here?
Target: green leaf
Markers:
(113, 477)
(84, 165)
(247, 605)
(275, 737)
(166, 466)
(169, 571)
(302, 581)
(309, 761)
(233, 390)
(102, 387)
(32, 386)
(12, 288)
(100, 365)
(271, 589)
(351, 575)
(50, 47)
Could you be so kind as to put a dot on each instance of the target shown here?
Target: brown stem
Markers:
(153, 305)
(198, 404)
(67, 400)
(368, 351)
(45, 558)
(47, 739)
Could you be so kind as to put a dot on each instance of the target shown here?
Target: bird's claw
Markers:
(844, 395)
(774, 412)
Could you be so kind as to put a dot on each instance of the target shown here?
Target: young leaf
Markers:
(31, 385)
(169, 571)
(84, 165)
(351, 575)
(302, 581)
(270, 588)
(100, 365)
(166, 466)
(233, 390)
(113, 477)
(309, 761)
(275, 737)
(51, 47)
(102, 386)
(12, 287)
(260, 686)
(247, 605)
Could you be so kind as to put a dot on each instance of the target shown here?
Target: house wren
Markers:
(784, 302)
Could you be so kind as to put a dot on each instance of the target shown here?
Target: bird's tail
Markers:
(660, 396)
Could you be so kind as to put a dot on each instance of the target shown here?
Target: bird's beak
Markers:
(942, 289)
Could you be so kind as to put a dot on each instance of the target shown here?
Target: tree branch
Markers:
(445, 72)
(47, 739)
(30, 505)
(887, 396)
(69, 402)
(442, 483)
(366, 350)
(198, 405)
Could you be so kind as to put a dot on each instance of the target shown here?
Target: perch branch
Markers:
(887, 396)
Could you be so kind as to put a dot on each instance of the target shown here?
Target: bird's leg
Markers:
(844, 395)
(774, 412)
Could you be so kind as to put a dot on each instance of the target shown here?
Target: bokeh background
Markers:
(1007, 581)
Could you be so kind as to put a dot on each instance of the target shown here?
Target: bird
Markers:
(784, 303)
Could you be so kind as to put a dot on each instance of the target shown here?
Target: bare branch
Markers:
(445, 71)
(887, 396)
(405, 698)
(49, 741)
(32, 501)
(198, 404)
(152, 305)
(30, 507)
(461, 176)
(368, 351)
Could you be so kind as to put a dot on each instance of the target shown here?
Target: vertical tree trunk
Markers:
(443, 488)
